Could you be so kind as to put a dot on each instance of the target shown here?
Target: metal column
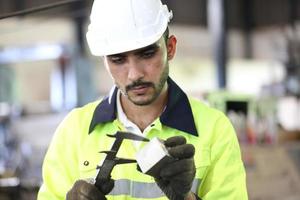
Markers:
(247, 7)
(86, 90)
(216, 23)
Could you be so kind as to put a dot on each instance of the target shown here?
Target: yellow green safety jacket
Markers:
(74, 151)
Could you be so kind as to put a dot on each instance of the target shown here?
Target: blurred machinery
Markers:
(253, 118)
(9, 160)
(292, 63)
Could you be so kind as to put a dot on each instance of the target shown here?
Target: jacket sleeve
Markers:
(60, 163)
(225, 178)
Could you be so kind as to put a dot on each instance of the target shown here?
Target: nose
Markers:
(135, 71)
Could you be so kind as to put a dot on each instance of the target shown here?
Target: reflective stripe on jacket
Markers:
(73, 152)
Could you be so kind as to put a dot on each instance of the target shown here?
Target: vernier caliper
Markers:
(104, 173)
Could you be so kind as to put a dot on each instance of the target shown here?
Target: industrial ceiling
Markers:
(245, 14)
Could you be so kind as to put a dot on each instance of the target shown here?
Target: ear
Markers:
(171, 47)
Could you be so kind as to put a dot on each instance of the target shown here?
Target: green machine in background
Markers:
(241, 109)
(228, 101)
(253, 117)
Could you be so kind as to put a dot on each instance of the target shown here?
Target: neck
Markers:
(143, 116)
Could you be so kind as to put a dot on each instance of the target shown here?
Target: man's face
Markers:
(141, 74)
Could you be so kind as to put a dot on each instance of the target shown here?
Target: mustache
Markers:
(139, 83)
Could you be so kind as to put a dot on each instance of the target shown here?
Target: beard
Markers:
(156, 89)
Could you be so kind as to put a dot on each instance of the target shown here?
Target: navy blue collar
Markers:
(178, 113)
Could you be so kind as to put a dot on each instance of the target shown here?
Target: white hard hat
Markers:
(122, 25)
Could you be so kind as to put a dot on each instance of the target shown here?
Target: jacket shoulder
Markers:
(82, 116)
(202, 108)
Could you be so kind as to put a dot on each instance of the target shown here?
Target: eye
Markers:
(117, 59)
(148, 53)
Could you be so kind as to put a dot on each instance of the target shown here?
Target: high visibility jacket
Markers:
(74, 151)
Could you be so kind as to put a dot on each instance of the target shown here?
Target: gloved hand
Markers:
(176, 178)
(86, 190)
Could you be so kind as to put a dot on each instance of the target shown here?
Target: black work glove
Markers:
(86, 190)
(176, 178)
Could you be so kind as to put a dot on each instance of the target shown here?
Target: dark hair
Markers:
(166, 34)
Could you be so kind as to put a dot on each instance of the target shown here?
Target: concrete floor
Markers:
(272, 174)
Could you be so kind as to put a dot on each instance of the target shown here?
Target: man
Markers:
(133, 39)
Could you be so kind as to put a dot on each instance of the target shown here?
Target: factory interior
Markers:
(240, 56)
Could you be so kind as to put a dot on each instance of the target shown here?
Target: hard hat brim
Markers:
(121, 47)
